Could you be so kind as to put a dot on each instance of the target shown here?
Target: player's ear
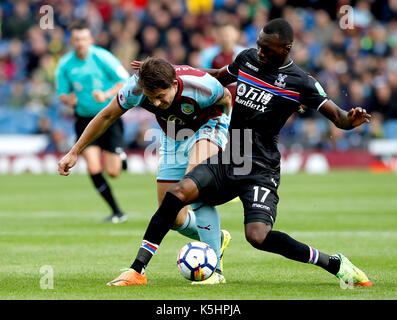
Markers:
(288, 47)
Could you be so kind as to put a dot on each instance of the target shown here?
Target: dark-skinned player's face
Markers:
(271, 51)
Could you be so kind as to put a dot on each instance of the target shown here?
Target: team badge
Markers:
(187, 108)
(280, 82)
(241, 89)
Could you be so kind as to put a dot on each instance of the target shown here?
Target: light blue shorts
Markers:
(174, 155)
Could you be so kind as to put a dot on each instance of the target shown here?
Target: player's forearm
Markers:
(337, 115)
(226, 101)
(342, 121)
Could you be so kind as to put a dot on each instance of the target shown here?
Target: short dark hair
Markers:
(282, 28)
(156, 73)
(78, 25)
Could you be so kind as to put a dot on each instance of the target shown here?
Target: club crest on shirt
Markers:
(187, 108)
(280, 82)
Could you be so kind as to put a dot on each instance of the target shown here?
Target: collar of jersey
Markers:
(287, 65)
(180, 88)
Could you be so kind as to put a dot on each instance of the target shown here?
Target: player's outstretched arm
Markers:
(343, 119)
(95, 129)
(222, 75)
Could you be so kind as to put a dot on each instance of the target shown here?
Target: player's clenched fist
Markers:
(66, 163)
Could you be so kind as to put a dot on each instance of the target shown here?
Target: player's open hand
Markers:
(136, 64)
(358, 116)
(66, 163)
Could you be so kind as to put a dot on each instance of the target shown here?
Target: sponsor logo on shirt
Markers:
(253, 98)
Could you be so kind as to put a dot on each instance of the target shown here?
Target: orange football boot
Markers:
(128, 278)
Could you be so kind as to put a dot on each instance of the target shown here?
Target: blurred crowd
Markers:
(352, 52)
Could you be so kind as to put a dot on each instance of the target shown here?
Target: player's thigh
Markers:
(211, 181)
(162, 188)
(201, 150)
(259, 195)
(92, 157)
(112, 163)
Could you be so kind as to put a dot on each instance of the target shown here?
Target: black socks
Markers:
(105, 191)
(159, 226)
(281, 243)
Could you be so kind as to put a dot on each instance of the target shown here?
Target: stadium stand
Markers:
(357, 66)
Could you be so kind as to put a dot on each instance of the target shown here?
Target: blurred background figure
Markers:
(88, 78)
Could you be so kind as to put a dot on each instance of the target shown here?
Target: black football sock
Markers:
(281, 243)
(104, 190)
(159, 225)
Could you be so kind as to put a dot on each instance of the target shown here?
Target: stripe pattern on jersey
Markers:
(292, 95)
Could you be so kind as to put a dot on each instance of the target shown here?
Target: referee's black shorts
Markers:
(219, 183)
(111, 139)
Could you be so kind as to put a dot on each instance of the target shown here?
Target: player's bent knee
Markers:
(185, 190)
(255, 233)
(255, 239)
(179, 191)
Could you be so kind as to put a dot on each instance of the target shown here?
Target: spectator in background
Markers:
(125, 46)
(18, 23)
(18, 97)
(149, 41)
(44, 126)
(38, 92)
(226, 49)
(228, 38)
(135, 29)
(58, 141)
(324, 29)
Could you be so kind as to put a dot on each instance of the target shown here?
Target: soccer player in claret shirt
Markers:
(194, 111)
(270, 87)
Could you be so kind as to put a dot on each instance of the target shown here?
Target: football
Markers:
(197, 261)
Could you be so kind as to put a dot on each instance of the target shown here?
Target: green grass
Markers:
(53, 220)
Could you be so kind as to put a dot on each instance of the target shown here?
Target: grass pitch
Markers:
(51, 223)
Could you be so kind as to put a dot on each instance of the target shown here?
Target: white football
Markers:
(197, 261)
